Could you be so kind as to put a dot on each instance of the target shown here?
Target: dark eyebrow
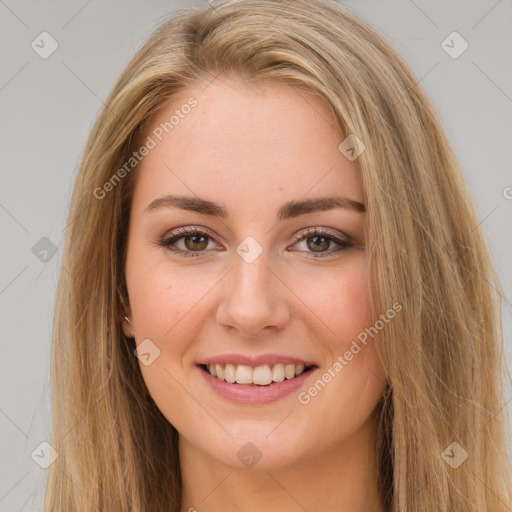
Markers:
(287, 211)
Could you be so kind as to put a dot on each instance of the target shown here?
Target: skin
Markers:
(253, 149)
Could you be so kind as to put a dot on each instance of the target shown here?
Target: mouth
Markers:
(257, 376)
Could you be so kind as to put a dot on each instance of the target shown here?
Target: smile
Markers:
(255, 375)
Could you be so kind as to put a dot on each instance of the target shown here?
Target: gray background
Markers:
(48, 106)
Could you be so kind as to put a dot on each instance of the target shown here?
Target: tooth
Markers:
(289, 371)
(243, 374)
(262, 375)
(278, 373)
(229, 373)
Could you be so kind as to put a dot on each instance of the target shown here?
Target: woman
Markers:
(275, 294)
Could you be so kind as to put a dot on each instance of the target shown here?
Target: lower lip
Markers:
(254, 394)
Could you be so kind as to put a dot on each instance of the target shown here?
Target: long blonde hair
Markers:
(442, 355)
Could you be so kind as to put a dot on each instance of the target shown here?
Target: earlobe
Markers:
(126, 313)
(127, 327)
(126, 320)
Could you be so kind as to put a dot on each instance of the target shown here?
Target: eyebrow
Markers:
(289, 210)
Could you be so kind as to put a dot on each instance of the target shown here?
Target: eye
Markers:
(188, 242)
(319, 242)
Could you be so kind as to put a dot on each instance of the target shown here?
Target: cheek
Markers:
(162, 299)
(166, 309)
(352, 378)
(341, 301)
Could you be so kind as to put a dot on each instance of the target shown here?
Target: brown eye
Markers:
(196, 242)
(190, 242)
(319, 243)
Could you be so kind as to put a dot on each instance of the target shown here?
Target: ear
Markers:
(126, 321)
(127, 326)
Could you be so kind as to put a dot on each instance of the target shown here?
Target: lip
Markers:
(252, 393)
(254, 360)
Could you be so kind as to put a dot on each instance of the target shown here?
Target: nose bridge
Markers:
(252, 278)
(252, 301)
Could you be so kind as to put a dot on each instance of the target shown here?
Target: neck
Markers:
(344, 479)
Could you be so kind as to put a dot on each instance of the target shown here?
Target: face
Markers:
(240, 265)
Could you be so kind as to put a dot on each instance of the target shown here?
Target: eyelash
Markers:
(180, 233)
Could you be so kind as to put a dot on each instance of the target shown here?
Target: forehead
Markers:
(246, 144)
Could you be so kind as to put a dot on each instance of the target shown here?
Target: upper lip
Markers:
(260, 360)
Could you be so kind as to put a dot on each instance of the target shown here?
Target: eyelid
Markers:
(190, 229)
(335, 234)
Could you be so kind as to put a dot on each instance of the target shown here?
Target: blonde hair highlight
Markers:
(442, 355)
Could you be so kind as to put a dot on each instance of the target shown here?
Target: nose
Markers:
(254, 299)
